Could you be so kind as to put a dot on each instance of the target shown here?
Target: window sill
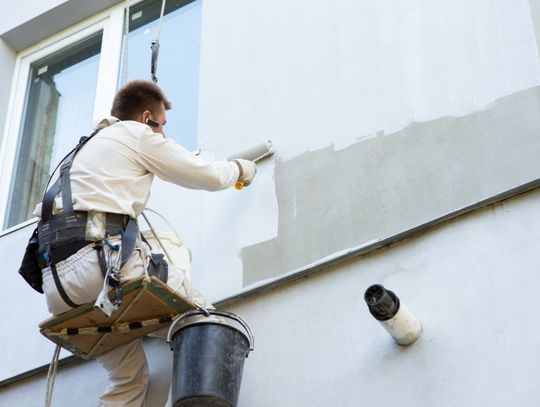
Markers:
(18, 227)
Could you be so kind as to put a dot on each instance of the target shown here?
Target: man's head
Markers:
(142, 101)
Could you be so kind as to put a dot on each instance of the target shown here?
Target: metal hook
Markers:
(155, 46)
(153, 66)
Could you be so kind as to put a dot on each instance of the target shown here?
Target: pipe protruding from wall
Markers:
(393, 315)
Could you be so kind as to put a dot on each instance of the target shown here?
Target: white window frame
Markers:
(111, 23)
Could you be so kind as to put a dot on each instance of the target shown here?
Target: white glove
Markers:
(247, 170)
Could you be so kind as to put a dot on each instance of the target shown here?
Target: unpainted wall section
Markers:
(468, 281)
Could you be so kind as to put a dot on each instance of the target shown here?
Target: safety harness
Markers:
(63, 234)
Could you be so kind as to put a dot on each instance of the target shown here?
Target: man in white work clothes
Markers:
(110, 178)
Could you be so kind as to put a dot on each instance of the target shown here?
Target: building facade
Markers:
(406, 137)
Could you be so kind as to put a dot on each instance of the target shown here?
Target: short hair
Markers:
(137, 96)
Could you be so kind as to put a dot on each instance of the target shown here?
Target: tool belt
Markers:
(64, 234)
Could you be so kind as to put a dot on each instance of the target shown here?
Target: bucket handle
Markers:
(226, 314)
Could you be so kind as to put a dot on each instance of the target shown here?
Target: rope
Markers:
(155, 46)
(51, 375)
(157, 237)
(161, 19)
(164, 220)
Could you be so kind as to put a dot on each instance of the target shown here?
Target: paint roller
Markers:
(254, 153)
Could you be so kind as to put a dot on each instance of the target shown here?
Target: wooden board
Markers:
(147, 305)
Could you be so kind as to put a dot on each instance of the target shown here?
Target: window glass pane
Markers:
(58, 111)
(178, 62)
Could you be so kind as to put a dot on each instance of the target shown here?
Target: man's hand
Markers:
(247, 170)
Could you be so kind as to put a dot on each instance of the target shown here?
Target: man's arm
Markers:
(173, 163)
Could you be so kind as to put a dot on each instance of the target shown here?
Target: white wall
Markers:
(473, 284)
(385, 115)
(367, 97)
(383, 89)
(23, 348)
(312, 74)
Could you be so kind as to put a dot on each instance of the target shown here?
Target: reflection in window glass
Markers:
(178, 63)
(58, 111)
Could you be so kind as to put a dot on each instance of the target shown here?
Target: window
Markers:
(63, 85)
(58, 111)
(178, 62)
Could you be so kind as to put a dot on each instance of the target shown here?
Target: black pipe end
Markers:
(383, 304)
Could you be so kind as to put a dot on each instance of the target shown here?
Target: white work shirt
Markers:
(114, 171)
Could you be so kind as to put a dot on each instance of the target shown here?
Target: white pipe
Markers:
(404, 327)
(393, 315)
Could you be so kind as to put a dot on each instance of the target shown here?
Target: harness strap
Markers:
(67, 201)
(129, 237)
(63, 182)
(60, 288)
(101, 257)
(48, 200)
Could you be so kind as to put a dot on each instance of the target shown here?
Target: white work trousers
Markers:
(82, 280)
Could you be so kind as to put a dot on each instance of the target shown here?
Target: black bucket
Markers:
(209, 353)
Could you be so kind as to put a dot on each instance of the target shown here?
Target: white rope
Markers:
(157, 237)
(161, 19)
(51, 375)
(164, 220)
(155, 46)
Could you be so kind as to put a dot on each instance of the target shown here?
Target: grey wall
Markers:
(387, 184)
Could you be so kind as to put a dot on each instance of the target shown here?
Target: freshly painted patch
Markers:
(330, 200)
